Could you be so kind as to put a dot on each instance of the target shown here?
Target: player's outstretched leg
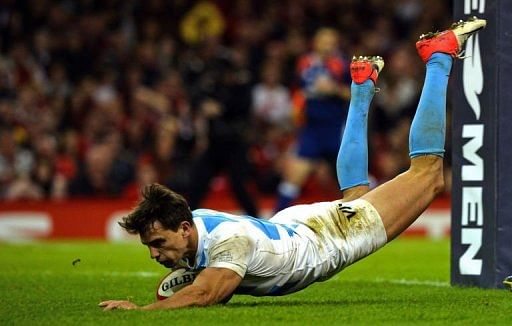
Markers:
(401, 200)
(352, 161)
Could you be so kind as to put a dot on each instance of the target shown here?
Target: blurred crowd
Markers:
(100, 97)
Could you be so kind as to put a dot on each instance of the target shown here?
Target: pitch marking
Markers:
(413, 282)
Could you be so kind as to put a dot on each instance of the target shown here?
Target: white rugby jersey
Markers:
(274, 257)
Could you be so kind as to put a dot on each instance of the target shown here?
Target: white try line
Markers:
(144, 274)
(401, 281)
(134, 274)
(413, 282)
(113, 274)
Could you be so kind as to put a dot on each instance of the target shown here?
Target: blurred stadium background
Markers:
(99, 98)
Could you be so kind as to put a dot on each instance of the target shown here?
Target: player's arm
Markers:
(214, 284)
(329, 87)
(211, 286)
(336, 84)
(218, 281)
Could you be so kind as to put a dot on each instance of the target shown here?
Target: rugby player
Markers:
(307, 243)
(322, 102)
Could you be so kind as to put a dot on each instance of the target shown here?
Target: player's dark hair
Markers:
(158, 203)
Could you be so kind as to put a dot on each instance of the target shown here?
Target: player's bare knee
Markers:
(435, 175)
(438, 184)
(355, 192)
(429, 168)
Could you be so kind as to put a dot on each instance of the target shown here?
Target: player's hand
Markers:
(324, 85)
(117, 304)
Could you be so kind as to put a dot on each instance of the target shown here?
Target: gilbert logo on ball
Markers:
(173, 282)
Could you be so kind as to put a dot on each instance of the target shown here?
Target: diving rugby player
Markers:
(304, 244)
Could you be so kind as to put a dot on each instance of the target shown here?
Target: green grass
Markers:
(407, 282)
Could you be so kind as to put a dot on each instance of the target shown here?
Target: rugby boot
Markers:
(449, 41)
(508, 282)
(364, 68)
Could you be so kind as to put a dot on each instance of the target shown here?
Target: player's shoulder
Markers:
(336, 64)
(304, 61)
(218, 224)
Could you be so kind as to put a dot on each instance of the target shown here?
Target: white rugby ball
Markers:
(173, 282)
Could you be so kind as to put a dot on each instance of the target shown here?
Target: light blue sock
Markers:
(352, 162)
(427, 134)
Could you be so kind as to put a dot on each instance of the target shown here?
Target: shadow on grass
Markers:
(312, 303)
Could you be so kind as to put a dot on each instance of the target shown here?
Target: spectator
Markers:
(16, 164)
(224, 94)
(271, 110)
(271, 102)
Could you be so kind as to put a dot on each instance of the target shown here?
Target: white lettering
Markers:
(473, 172)
(474, 5)
(473, 75)
(468, 265)
(472, 210)
(114, 231)
(472, 196)
(24, 226)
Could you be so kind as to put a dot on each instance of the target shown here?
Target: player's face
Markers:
(167, 247)
(325, 43)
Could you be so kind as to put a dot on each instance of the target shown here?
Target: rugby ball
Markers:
(173, 282)
(508, 282)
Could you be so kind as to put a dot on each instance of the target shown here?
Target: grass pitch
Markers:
(407, 282)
